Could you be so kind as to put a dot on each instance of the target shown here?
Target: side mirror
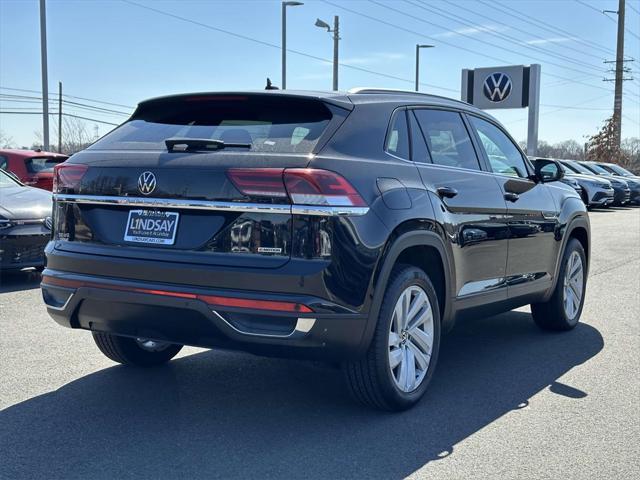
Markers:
(547, 170)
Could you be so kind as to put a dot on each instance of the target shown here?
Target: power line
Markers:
(12, 112)
(456, 18)
(70, 96)
(585, 4)
(543, 25)
(559, 109)
(475, 52)
(82, 106)
(530, 34)
(479, 40)
(273, 45)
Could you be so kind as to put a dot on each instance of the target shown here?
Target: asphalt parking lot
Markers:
(507, 401)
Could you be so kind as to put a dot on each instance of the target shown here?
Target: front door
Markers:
(468, 201)
(532, 214)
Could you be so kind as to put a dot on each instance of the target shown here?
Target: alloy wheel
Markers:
(573, 285)
(411, 338)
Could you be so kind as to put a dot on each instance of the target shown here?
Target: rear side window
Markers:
(41, 164)
(3, 162)
(398, 136)
(447, 138)
(504, 157)
(268, 123)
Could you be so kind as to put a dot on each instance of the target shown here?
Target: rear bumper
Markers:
(173, 314)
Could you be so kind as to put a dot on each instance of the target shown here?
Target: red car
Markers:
(31, 167)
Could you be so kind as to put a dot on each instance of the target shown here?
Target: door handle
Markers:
(447, 192)
(512, 197)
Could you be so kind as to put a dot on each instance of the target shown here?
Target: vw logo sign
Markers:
(497, 87)
(146, 183)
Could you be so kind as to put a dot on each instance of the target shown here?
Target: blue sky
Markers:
(116, 51)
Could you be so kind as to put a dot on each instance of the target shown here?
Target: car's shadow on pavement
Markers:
(230, 415)
(15, 280)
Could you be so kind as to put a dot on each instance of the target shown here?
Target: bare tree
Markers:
(76, 136)
(6, 141)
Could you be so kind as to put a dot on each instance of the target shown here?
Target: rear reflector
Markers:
(212, 300)
(67, 176)
(303, 186)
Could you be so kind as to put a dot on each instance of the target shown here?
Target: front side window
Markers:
(504, 157)
(447, 138)
(398, 136)
(3, 162)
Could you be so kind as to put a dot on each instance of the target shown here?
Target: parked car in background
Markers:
(348, 227)
(632, 180)
(622, 192)
(25, 224)
(32, 167)
(596, 192)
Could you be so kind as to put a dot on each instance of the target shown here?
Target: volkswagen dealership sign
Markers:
(513, 86)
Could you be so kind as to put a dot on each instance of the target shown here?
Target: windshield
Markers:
(6, 180)
(597, 169)
(276, 124)
(620, 171)
(41, 164)
(576, 167)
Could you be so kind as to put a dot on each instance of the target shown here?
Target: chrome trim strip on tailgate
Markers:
(242, 207)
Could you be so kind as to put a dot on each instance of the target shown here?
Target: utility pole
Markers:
(45, 79)
(617, 102)
(59, 117)
(418, 47)
(619, 71)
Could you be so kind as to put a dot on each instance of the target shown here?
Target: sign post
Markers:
(513, 86)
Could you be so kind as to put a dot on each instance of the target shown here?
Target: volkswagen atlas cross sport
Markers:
(349, 227)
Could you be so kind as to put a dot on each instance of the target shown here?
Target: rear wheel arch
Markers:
(424, 249)
(578, 228)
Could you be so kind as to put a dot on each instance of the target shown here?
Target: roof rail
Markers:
(373, 90)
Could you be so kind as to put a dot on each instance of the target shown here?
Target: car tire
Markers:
(371, 379)
(562, 311)
(133, 352)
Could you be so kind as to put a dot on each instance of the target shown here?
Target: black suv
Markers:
(349, 227)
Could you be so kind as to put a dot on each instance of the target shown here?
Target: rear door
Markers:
(532, 214)
(468, 201)
(134, 196)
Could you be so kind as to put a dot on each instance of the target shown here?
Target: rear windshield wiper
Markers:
(199, 144)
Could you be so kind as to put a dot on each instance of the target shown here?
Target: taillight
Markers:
(310, 186)
(67, 176)
(303, 186)
(258, 182)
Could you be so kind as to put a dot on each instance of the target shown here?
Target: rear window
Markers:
(42, 164)
(269, 124)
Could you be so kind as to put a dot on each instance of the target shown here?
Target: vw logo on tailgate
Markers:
(146, 183)
(497, 87)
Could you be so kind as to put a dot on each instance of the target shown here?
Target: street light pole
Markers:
(284, 39)
(336, 43)
(418, 47)
(45, 77)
